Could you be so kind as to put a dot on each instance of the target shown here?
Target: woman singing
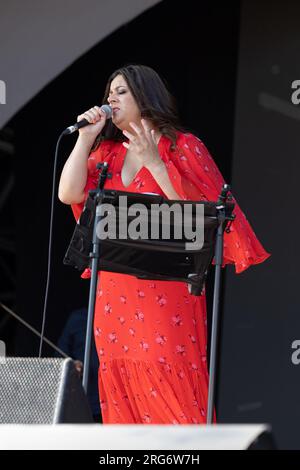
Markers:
(150, 335)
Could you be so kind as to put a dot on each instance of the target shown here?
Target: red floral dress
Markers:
(151, 335)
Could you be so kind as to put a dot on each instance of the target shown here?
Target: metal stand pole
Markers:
(97, 193)
(216, 302)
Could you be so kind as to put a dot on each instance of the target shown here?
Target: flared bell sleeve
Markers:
(195, 176)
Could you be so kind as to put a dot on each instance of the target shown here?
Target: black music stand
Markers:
(164, 259)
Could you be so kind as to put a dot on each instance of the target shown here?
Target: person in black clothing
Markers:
(72, 342)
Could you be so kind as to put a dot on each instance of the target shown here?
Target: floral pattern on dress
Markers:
(151, 336)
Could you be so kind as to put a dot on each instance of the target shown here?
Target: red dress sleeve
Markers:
(95, 157)
(99, 155)
(195, 176)
(91, 181)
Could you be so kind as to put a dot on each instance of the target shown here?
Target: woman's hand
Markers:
(97, 118)
(143, 145)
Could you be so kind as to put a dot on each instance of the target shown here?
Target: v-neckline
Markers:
(122, 160)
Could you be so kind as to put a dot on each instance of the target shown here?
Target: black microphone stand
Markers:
(216, 298)
(97, 195)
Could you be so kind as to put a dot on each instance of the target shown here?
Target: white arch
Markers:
(2, 92)
(39, 39)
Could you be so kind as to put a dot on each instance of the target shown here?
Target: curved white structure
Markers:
(38, 40)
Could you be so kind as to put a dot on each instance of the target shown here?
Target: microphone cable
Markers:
(49, 245)
(69, 130)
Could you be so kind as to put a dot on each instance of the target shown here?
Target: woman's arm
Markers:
(74, 175)
(160, 174)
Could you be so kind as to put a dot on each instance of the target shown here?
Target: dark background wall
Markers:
(173, 41)
(222, 61)
(258, 380)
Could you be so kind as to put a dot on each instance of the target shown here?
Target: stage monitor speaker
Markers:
(41, 391)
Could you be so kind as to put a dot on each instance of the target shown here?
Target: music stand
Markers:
(165, 259)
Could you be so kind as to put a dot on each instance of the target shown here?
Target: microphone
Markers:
(69, 130)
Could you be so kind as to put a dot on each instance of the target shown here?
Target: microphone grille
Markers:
(107, 109)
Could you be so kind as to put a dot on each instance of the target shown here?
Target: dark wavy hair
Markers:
(153, 100)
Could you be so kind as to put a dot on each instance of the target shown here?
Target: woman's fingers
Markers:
(143, 136)
(146, 126)
(149, 131)
(96, 118)
(84, 116)
(142, 133)
(130, 136)
(136, 128)
(92, 115)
